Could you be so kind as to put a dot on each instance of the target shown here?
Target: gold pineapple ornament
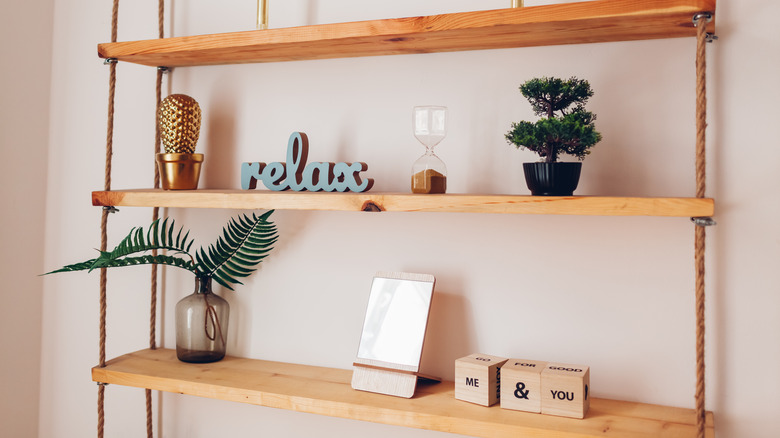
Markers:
(179, 118)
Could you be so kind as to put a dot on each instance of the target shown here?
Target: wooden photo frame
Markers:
(391, 344)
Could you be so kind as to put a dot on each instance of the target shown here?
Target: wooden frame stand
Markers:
(386, 380)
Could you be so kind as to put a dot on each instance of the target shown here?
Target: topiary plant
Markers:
(561, 130)
(244, 243)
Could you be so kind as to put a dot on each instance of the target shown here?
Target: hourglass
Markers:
(429, 174)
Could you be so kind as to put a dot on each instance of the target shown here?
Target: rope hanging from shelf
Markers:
(104, 223)
(155, 216)
(701, 125)
(104, 217)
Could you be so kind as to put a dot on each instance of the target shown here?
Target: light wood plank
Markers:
(408, 202)
(570, 23)
(327, 391)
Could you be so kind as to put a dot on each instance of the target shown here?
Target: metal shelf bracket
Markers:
(703, 221)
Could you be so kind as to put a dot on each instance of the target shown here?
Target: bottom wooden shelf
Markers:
(327, 391)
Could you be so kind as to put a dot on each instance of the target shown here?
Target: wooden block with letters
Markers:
(521, 385)
(565, 390)
(478, 379)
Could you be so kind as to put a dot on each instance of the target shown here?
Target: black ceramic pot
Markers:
(552, 179)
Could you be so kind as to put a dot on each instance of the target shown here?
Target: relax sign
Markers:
(296, 174)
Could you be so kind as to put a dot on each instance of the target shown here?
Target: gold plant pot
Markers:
(179, 171)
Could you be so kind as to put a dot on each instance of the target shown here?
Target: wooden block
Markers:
(565, 390)
(521, 385)
(478, 379)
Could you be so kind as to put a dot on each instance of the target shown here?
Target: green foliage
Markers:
(244, 243)
(550, 95)
(158, 238)
(561, 130)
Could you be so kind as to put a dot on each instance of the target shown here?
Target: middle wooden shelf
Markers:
(407, 202)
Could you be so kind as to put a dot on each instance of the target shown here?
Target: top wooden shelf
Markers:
(570, 23)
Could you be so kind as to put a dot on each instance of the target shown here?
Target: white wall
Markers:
(25, 77)
(613, 293)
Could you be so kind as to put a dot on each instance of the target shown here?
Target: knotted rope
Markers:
(701, 125)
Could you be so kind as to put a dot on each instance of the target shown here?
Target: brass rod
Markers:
(262, 14)
(517, 3)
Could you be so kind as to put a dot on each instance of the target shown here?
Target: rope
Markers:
(701, 125)
(700, 411)
(101, 397)
(103, 283)
(701, 107)
(104, 217)
(155, 216)
(211, 315)
(156, 210)
(160, 18)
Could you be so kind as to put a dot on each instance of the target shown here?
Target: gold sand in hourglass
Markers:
(429, 181)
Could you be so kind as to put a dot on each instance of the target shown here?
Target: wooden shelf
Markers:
(407, 202)
(327, 391)
(572, 23)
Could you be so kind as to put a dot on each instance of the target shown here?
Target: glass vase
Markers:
(201, 325)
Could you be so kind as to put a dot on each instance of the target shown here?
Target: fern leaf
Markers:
(156, 238)
(244, 243)
(170, 234)
(159, 237)
(149, 260)
(99, 263)
(82, 266)
(226, 283)
(203, 260)
(151, 235)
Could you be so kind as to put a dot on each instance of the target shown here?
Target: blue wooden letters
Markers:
(297, 175)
